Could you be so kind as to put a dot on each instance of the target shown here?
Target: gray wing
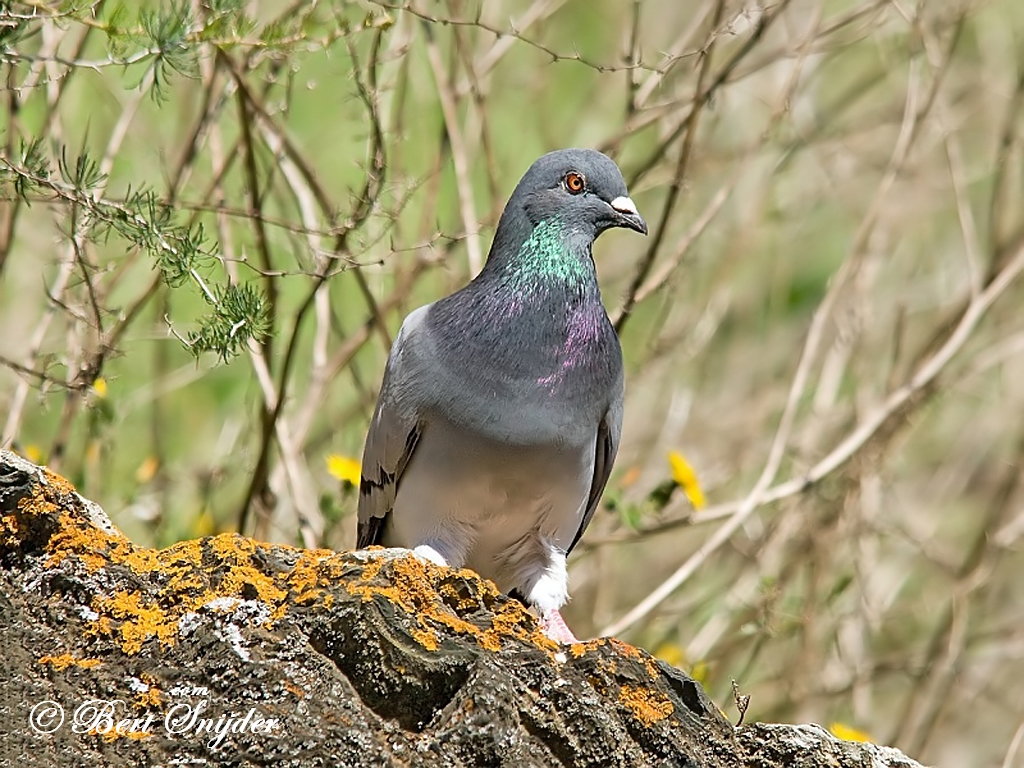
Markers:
(608, 433)
(395, 430)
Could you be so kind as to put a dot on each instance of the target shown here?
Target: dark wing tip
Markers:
(371, 531)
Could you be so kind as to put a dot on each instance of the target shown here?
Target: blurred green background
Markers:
(825, 324)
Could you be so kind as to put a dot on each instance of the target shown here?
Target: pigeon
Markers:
(501, 407)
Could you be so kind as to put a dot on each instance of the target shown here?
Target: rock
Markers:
(227, 651)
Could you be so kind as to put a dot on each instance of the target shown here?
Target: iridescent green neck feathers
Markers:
(556, 255)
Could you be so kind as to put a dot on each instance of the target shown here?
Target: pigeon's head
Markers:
(582, 188)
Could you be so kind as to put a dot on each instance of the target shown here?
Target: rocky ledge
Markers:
(226, 651)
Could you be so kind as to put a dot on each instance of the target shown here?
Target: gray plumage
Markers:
(499, 417)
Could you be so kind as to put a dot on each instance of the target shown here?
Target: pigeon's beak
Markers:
(628, 216)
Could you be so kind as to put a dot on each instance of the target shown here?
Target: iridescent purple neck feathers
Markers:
(535, 318)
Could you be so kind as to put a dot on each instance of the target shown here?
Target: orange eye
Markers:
(575, 182)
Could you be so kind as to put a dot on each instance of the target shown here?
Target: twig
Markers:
(759, 493)
(948, 640)
(682, 248)
(1015, 742)
(513, 33)
(364, 203)
(66, 269)
(742, 702)
(537, 12)
(690, 127)
(467, 207)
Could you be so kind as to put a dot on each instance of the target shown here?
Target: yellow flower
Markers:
(147, 470)
(846, 733)
(684, 476)
(100, 387)
(344, 468)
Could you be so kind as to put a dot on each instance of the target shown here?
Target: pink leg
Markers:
(554, 626)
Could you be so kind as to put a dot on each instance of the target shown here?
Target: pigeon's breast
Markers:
(528, 375)
(512, 415)
(490, 503)
(554, 405)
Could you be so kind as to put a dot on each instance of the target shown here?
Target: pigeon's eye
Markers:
(574, 182)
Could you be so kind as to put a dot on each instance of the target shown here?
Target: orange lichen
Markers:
(150, 698)
(36, 505)
(410, 587)
(243, 574)
(413, 587)
(139, 621)
(427, 638)
(652, 667)
(44, 501)
(514, 620)
(188, 587)
(646, 705)
(100, 626)
(369, 573)
(77, 536)
(65, 660)
(625, 648)
(489, 640)
(113, 735)
(92, 561)
(511, 620)
(305, 578)
(581, 648)
(9, 530)
(138, 560)
(59, 484)
(461, 602)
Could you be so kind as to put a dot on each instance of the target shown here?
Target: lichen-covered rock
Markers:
(226, 651)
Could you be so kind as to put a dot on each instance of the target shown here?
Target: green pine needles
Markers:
(238, 311)
(157, 43)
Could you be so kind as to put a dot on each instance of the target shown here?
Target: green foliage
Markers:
(15, 26)
(239, 313)
(166, 35)
(33, 160)
(142, 220)
(83, 175)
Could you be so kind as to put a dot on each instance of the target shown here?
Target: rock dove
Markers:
(501, 408)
